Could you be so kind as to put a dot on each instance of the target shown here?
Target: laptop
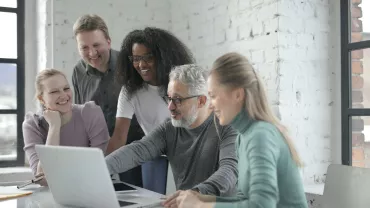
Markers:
(79, 177)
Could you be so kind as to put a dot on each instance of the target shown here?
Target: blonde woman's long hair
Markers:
(235, 71)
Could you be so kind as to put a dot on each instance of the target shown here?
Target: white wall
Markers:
(306, 80)
(211, 28)
(31, 50)
(293, 44)
(335, 64)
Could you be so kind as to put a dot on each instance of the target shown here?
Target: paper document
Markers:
(10, 192)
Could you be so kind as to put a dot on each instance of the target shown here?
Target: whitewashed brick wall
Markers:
(306, 93)
(211, 28)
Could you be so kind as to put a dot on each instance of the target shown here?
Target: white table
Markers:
(42, 198)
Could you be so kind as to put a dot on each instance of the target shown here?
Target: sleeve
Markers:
(262, 153)
(223, 181)
(148, 148)
(32, 135)
(77, 96)
(96, 126)
(124, 107)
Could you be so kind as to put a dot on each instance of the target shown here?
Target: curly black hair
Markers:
(168, 51)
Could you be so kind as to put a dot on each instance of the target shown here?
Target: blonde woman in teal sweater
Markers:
(267, 160)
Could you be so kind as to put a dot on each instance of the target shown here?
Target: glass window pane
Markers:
(8, 137)
(8, 3)
(8, 86)
(8, 36)
(359, 20)
(360, 82)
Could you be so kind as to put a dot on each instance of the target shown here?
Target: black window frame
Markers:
(346, 80)
(20, 62)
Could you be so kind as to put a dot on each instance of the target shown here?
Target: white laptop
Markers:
(79, 177)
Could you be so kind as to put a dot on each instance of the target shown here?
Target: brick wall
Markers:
(358, 137)
(306, 77)
(212, 28)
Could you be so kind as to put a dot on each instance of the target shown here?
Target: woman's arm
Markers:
(96, 126)
(33, 134)
(53, 138)
(119, 137)
(125, 111)
(262, 153)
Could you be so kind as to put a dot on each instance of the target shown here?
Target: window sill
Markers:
(316, 189)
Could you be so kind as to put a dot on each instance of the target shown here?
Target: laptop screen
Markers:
(125, 203)
(122, 187)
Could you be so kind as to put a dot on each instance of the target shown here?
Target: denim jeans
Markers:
(154, 175)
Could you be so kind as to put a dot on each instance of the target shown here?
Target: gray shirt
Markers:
(200, 158)
(92, 85)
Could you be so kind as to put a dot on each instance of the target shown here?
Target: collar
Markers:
(113, 54)
(242, 121)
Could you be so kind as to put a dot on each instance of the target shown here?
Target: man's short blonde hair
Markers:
(90, 22)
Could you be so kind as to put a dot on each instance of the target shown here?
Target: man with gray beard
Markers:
(201, 152)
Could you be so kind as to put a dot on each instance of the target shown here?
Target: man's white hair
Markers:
(193, 76)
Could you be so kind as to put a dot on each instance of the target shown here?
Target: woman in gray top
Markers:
(60, 122)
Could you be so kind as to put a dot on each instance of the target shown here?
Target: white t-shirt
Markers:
(148, 106)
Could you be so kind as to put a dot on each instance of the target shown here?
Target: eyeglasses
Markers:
(149, 58)
(177, 101)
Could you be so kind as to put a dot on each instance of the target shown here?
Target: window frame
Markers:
(20, 62)
(346, 80)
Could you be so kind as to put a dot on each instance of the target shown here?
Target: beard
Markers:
(186, 121)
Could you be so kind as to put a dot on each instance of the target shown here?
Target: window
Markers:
(11, 82)
(355, 73)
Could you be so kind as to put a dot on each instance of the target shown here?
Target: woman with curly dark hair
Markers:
(159, 49)
(143, 66)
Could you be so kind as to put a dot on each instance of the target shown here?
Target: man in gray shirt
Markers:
(201, 153)
(93, 79)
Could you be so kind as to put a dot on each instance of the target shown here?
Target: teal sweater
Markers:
(268, 176)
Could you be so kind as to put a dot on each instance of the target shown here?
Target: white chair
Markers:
(346, 187)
